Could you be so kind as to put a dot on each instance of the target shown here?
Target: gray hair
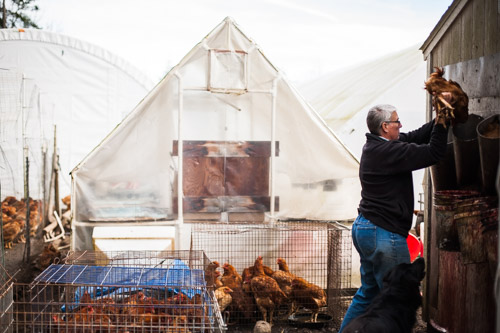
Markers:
(377, 115)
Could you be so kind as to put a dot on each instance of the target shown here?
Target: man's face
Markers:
(392, 127)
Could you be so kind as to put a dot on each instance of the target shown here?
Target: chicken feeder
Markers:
(488, 132)
(466, 150)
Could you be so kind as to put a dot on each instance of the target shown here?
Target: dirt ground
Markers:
(284, 327)
(23, 271)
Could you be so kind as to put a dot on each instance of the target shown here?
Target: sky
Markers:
(303, 38)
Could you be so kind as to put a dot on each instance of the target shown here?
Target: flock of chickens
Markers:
(259, 288)
(240, 298)
(175, 314)
(14, 219)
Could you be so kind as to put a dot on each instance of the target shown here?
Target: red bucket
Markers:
(415, 247)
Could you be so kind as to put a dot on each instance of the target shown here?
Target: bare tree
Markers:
(15, 14)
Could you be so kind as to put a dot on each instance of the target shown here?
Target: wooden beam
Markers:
(225, 148)
(231, 204)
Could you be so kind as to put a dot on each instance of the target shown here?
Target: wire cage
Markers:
(319, 252)
(131, 291)
(6, 302)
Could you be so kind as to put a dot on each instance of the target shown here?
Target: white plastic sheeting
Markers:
(223, 90)
(25, 138)
(82, 89)
(343, 98)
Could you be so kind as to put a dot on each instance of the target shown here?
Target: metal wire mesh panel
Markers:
(319, 252)
(165, 259)
(120, 292)
(6, 306)
(339, 272)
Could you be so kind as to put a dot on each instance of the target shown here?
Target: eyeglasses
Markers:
(393, 121)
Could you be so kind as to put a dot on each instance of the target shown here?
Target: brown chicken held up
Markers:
(457, 110)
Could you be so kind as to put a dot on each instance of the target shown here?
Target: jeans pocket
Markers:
(365, 238)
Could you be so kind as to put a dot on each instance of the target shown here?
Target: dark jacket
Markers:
(385, 172)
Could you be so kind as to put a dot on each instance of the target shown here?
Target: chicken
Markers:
(457, 110)
(266, 290)
(67, 201)
(223, 297)
(6, 218)
(8, 210)
(35, 217)
(267, 270)
(284, 279)
(22, 233)
(248, 274)
(10, 232)
(9, 200)
(231, 278)
(246, 277)
(243, 306)
(176, 305)
(107, 305)
(262, 327)
(89, 314)
(218, 283)
(17, 204)
(137, 304)
(178, 324)
(211, 274)
(283, 276)
(308, 295)
(48, 255)
(197, 314)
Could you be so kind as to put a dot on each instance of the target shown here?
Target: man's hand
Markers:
(441, 119)
(442, 114)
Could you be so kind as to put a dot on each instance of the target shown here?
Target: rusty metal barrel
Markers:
(443, 173)
(469, 215)
(470, 237)
(445, 204)
(489, 222)
(466, 151)
(488, 132)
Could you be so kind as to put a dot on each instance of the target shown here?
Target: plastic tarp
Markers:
(82, 89)
(25, 137)
(343, 98)
(224, 93)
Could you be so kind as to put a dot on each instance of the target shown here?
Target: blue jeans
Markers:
(379, 251)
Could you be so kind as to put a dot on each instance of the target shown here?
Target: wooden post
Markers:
(46, 195)
(55, 165)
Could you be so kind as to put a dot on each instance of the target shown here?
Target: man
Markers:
(385, 211)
